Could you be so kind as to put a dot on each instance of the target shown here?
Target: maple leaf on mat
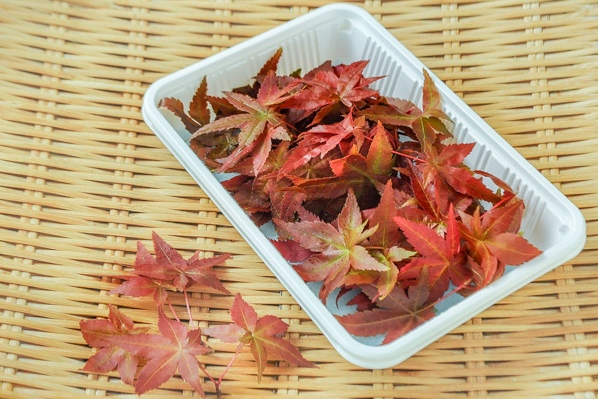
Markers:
(98, 333)
(168, 270)
(263, 335)
(123, 347)
(174, 348)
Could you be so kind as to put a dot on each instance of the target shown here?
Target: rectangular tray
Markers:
(343, 34)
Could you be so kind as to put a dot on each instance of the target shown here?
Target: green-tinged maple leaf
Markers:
(395, 315)
(214, 146)
(387, 233)
(425, 132)
(425, 194)
(440, 254)
(258, 122)
(431, 102)
(350, 172)
(386, 239)
(168, 270)
(384, 281)
(337, 250)
(263, 335)
(98, 333)
(394, 113)
(492, 241)
(380, 157)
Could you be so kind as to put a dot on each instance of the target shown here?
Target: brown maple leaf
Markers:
(263, 335)
(396, 314)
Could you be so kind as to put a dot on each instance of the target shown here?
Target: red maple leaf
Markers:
(168, 270)
(292, 250)
(321, 139)
(175, 348)
(99, 333)
(493, 242)
(426, 124)
(380, 156)
(328, 89)
(386, 240)
(396, 314)
(265, 194)
(348, 173)
(357, 172)
(263, 335)
(337, 250)
(440, 254)
(447, 165)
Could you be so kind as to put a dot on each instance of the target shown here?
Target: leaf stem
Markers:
(186, 295)
(494, 206)
(172, 309)
(230, 364)
(455, 290)
(216, 383)
(409, 156)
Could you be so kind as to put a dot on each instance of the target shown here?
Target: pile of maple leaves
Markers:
(148, 359)
(366, 191)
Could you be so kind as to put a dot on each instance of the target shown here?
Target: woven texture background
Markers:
(83, 179)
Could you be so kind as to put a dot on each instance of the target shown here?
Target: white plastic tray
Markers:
(344, 34)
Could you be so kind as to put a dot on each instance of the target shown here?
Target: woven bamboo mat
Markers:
(83, 179)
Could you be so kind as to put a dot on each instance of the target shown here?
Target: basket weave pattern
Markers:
(83, 179)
